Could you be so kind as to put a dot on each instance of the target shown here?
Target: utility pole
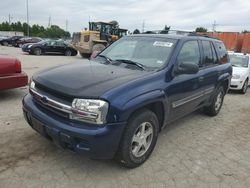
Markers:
(67, 24)
(214, 26)
(143, 26)
(27, 6)
(49, 21)
(10, 17)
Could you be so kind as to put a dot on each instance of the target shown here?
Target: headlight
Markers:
(89, 110)
(236, 76)
(29, 45)
(32, 84)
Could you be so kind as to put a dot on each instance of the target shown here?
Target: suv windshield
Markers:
(151, 53)
(239, 60)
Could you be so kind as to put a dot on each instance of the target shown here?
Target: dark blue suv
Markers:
(114, 105)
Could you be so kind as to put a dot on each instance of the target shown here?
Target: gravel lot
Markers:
(196, 151)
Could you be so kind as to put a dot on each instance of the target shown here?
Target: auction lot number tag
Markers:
(163, 44)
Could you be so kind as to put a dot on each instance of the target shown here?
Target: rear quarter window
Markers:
(221, 53)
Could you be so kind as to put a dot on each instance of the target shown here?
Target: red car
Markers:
(11, 75)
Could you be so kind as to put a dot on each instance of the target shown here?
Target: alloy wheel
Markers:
(142, 139)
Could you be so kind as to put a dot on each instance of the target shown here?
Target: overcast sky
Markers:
(230, 15)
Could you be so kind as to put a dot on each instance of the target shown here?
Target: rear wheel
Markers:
(216, 104)
(68, 53)
(98, 47)
(139, 139)
(37, 51)
(244, 87)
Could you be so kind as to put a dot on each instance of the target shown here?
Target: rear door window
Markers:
(208, 58)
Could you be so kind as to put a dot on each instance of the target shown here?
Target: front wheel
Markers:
(5, 43)
(84, 55)
(244, 87)
(37, 51)
(139, 139)
(68, 53)
(214, 108)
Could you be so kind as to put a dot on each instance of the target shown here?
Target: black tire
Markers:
(37, 51)
(125, 155)
(244, 87)
(98, 47)
(85, 55)
(5, 43)
(68, 53)
(217, 101)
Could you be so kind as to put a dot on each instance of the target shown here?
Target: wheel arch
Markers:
(155, 101)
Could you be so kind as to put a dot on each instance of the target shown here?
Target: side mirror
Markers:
(187, 68)
(94, 54)
(45, 44)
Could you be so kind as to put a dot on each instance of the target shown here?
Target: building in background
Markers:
(11, 33)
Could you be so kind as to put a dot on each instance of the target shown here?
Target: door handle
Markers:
(201, 79)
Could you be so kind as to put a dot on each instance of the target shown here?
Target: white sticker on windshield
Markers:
(163, 44)
(159, 61)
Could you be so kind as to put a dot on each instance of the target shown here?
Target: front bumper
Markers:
(26, 49)
(236, 84)
(95, 141)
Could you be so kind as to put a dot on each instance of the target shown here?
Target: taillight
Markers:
(18, 67)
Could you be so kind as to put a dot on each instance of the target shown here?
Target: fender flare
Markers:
(143, 100)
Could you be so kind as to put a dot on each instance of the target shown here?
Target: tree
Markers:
(35, 30)
(201, 29)
(115, 23)
(136, 31)
(245, 31)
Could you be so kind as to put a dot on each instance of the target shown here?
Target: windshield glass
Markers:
(239, 60)
(152, 53)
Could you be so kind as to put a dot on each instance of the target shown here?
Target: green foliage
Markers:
(136, 31)
(201, 29)
(245, 31)
(35, 30)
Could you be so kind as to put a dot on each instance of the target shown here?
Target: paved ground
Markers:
(196, 151)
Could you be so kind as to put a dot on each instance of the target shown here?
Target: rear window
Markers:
(221, 52)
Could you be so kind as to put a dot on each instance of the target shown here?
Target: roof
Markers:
(237, 53)
(100, 22)
(174, 36)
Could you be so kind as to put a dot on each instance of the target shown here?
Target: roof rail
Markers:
(179, 32)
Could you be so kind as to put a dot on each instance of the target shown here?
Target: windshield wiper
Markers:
(235, 66)
(106, 58)
(141, 66)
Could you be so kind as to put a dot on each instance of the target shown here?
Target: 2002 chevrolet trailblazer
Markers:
(115, 105)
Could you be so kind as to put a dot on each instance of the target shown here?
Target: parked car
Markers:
(26, 40)
(241, 71)
(11, 75)
(115, 105)
(10, 40)
(49, 47)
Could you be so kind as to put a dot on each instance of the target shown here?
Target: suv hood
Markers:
(88, 79)
(240, 70)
